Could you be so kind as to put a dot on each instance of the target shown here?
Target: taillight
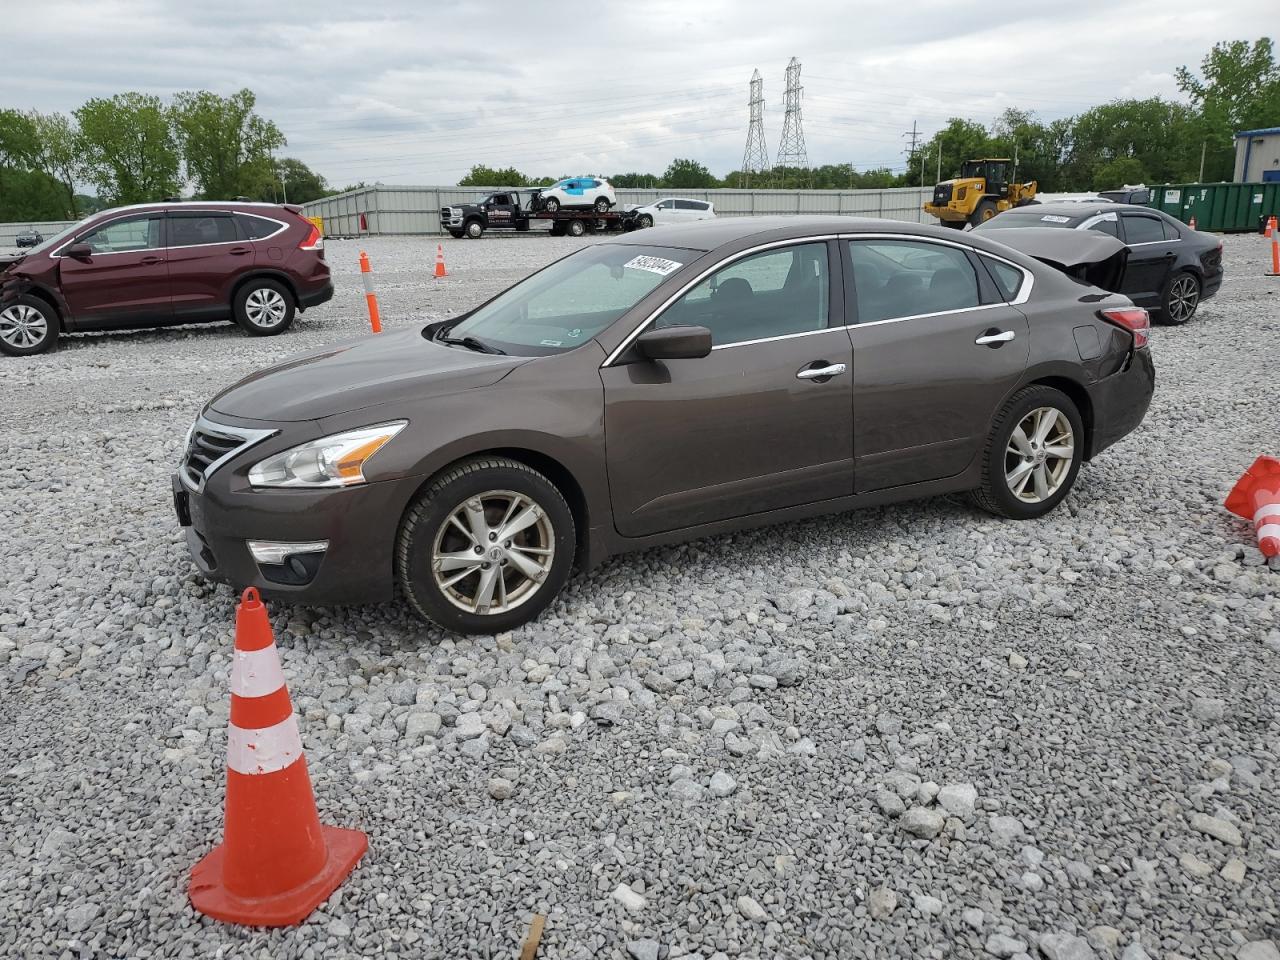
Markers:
(314, 240)
(1134, 319)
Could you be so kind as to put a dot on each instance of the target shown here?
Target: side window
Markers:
(906, 278)
(1108, 226)
(1143, 229)
(767, 294)
(1170, 231)
(123, 236)
(255, 228)
(188, 230)
(1008, 279)
(666, 204)
(699, 205)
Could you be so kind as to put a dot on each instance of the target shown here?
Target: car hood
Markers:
(1087, 255)
(9, 260)
(350, 376)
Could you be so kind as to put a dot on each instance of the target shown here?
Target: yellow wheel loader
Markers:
(980, 192)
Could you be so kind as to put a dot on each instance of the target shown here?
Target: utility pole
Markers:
(939, 178)
(1203, 144)
(911, 151)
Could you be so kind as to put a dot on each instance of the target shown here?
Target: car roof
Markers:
(1079, 209)
(246, 205)
(711, 234)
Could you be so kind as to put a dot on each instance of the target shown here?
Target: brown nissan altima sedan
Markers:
(669, 384)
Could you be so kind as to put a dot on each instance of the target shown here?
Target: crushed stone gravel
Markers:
(1101, 687)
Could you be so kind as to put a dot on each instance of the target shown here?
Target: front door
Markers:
(206, 253)
(936, 349)
(762, 423)
(1151, 254)
(124, 280)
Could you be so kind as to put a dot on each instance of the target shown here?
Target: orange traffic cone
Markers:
(1271, 227)
(1256, 497)
(440, 270)
(1192, 222)
(276, 862)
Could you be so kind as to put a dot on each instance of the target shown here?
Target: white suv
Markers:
(577, 192)
(673, 210)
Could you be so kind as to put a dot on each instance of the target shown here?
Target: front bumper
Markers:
(1120, 401)
(359, 523)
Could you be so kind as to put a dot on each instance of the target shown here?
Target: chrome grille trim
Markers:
(211, 445)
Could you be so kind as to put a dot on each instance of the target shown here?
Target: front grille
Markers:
(211, 445)
(942, 194)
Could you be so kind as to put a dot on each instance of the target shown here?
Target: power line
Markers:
(791, 151)
(755, 159)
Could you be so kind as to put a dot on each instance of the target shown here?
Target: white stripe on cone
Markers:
(1266, 510)
(266, 750)
(1269, 530)
(256, 673)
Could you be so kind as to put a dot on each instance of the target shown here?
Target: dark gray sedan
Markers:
(687, 381)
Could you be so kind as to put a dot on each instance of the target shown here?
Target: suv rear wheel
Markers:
(551, 204)
(485, 547)
(263, 307)
(28, 326)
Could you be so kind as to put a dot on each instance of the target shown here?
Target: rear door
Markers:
(936, 349)
(206, 252)
(124, 281)
(1152, 252)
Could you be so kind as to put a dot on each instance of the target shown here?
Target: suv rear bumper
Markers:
(313, 298)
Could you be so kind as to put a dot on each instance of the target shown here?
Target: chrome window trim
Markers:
(1024, 291)
(1148, 243)
(248, 436)
(697, 279)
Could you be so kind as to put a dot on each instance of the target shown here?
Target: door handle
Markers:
(821, 373)
(993, 338)
(150, 260)
(238, 251)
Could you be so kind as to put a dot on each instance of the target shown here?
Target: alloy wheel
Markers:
(1184, 294)
(23, 326)
(265, 307)
(493, 552)
(1038, 458)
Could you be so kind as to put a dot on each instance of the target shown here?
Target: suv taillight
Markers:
(313, 241)
(1134, 319)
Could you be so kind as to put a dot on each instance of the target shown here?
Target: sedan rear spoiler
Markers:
(1087, 255)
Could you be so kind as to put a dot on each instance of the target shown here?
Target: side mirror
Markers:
(674, 343)
(79, 251)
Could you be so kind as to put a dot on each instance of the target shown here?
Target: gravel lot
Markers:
(914, 731)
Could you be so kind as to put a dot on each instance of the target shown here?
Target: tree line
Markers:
(135, 148)
(1151, 140)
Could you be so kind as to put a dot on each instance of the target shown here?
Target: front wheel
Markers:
(602, 205)
(551, 204)
(28, 326)
(985, 211)
(645, 220)
(953, 224)
(263, 307)
(456, 234)
(485, 547)
(1032, 456)
(1180, 299)
(475, 229)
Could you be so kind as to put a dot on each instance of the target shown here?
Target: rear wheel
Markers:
(985, 211)
(551, 204)
(576, 228)
(1032, 456)
(602, 205)
(263, 307)
(28, 326)
(485, 547)
(1180, 299)
(953, 224)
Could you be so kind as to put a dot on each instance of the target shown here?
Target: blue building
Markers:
(1258, 156)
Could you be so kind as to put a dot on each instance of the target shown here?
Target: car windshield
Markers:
(1024, 218)
(566, 304)
(56, 239)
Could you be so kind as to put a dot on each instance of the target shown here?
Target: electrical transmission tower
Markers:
(755, 159)
(791, 151)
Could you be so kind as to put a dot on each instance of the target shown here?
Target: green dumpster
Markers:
(1218, 207)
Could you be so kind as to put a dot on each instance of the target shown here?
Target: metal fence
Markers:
(416, 210)
(9, 231)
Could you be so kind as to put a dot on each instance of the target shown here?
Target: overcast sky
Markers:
(412, 91)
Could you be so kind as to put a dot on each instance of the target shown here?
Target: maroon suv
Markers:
(157, 265)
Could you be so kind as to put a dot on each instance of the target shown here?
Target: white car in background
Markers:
(576, 192)
(673, 210)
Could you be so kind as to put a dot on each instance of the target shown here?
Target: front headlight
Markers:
(335, 461)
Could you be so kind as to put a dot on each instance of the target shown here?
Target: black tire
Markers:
(984, 212)
(428, 518)
(575, 228)
(474, 229)
(28, 325)
(551, 204)
(522, 226)
(953, 224)
(1179, 299)
(995, 495)
(645, 221)
(557, 230)
(456, 234)
(602, 205)
(263, 307)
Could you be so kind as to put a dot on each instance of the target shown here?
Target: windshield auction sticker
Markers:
(1052, 219)
(654, 265)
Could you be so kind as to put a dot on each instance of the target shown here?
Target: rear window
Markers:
(255, 228)
(1143, 229)
(1007, 278)
(1019, 218)
(192, 230)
